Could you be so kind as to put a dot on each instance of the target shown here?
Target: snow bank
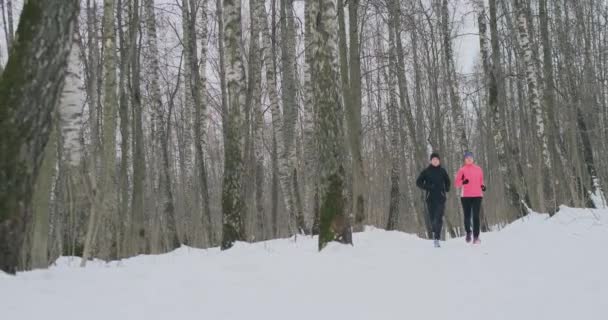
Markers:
(536, 268)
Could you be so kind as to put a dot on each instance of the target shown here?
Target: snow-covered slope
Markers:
(536, 268)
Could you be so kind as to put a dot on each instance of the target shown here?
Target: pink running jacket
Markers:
(475, 175)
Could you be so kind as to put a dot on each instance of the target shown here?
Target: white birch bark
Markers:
(334, 221)
(232, 202)
(72, 102)
(277, 124)
(534, 100)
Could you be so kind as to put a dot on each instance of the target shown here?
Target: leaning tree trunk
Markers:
(69, 126)
(35, 247)
(9, 17)
(334, 222)
(232, 202)
(30, 89)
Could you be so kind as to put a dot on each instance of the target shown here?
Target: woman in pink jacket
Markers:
(470, 179)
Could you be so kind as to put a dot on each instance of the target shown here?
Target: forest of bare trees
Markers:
(135, 126)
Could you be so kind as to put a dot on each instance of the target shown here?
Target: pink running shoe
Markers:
(477, 241)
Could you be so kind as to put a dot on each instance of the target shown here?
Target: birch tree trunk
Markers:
(69, 124)
(393, 120)
(256, 9)
(232, 202)
(404, 100)
(452, 81)
(36, 252)
(311, 10)
(547, 193)
(334, 222)
(30, 88)
(222, 66)
(278, 126)
(290, 106)
(105, 197)
(202, 91)
(168, 208)
(139, 229)
(92, 81)
(196, 79)
(517, 200)
(9, 17)
(353, 116)
(556, 144)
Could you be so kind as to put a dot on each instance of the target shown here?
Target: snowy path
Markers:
(533, 269)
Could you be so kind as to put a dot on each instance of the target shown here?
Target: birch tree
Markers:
(516, 198)
(457, 112)
(232, 203)
(547, 191)
(334, 222)
(278, 125)
(105, 198)
(168, 207)
(256, 9)
(30, 88)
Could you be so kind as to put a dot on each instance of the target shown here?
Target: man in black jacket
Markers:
(436, 182)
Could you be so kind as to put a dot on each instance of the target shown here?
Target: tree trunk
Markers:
(290, 106)
(452, 81)
(9, 17)
(547, 192)
(30, 89)
(278, 127)
(353, 117)
(516, 199)
(139, 231)
(123, 112)
(232, 202)
(393, 120)
(168, 208)
(255, 100)
(311, 10)
(334, 222)
(105, 197)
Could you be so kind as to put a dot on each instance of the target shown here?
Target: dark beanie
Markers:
(435, 155)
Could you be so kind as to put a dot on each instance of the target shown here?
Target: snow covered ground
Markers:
(536, 268)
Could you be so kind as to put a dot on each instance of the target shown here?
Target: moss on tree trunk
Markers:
(30, 89)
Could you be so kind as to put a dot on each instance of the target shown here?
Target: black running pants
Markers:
(471, 207)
